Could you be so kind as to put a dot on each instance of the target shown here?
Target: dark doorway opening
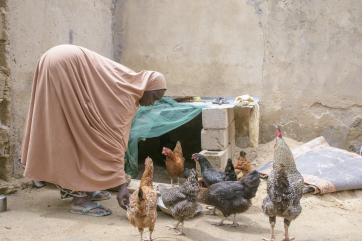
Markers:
(188, 134)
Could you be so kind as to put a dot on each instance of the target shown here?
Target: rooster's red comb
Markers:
(278, 132)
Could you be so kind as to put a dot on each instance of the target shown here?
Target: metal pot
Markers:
(3, 203)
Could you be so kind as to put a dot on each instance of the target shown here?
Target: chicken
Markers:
(230, 174)
(174, 162)
(181, 200)
(187, 173)
(243, 166)
(231, 197)
(142, 211)
(284, 188)
(210, 175)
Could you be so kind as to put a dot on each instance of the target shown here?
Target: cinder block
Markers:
(218, 139)
(214, 139)
(254, 126)
(217, 117)
(232, 133)
(217, 159)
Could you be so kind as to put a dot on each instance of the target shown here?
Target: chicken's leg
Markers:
(178, 181)
(141, 233)
(182, 229)
(221, 223)
(171, 182)
(178, 232)
(212, 210)
(272, 224)
(150, 234)
(286, 227)
(234, 224)
(174, 227)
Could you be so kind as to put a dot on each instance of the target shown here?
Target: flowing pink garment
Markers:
(81, 110)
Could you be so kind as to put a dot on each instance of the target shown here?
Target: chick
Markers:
(242, 166)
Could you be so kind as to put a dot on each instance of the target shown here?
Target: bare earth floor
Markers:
(40, 215)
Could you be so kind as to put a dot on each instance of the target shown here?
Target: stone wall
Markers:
(303, 58)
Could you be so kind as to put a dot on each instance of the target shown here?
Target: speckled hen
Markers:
(181, 200)
(284, 188)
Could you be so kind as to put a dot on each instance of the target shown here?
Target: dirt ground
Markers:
(40, 215)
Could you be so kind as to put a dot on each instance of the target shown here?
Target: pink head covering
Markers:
(139, 82)
(156, 81)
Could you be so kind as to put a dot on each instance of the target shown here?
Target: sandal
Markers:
(96, 211)
(100, 195)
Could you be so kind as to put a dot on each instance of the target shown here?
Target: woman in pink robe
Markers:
(81, 110)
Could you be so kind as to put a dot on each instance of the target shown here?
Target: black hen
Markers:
(232, 197)
(187, 172)
(210, 175)
(230, 174)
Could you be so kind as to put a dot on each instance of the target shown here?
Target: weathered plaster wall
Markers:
(34, 27)
(5, 163)
(303, 58)
(313, 65)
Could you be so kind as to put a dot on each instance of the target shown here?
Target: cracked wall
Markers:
(313, 67)
(302, 58)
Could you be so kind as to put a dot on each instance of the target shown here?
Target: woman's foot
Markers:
(85, 206)
(38, 184)
(99, 195)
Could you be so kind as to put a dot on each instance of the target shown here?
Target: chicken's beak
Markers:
(194, 157)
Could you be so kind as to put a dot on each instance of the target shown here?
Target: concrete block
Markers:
(217, 117)
(232, 137)
(254, 126)
(217, 159)
(218, 139)
(232, 133)
(214, 139)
